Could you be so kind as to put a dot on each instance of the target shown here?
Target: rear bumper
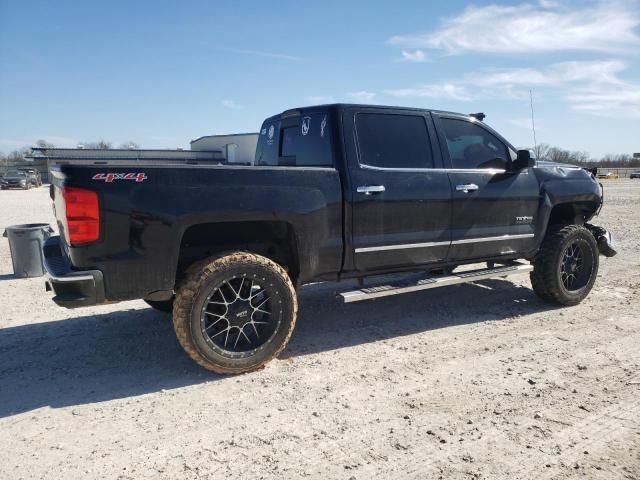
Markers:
(72, 288)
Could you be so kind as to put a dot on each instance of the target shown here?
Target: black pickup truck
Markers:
(335, 192)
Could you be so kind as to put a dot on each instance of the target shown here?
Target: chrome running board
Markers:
(433, 281)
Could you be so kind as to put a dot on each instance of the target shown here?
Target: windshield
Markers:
(15, 173)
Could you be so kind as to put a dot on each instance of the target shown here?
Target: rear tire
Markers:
(565, 268)
(235, 313)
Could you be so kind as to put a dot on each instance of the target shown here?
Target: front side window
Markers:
(471, 146)
(393, 141)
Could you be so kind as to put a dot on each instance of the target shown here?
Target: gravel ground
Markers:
(472, 381)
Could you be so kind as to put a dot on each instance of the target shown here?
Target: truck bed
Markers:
(124, 156)
(158, 215)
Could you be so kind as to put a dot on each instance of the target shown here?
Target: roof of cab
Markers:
(342, 106)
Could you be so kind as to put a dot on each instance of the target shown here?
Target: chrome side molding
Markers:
(403, 246)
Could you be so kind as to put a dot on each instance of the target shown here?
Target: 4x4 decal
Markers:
(110, 177)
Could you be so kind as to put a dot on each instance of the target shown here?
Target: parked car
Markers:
(336, 192)
(635, 174)
(15, 179)
(607, 176)
(34, 175)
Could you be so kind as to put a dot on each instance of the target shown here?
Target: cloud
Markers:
(608, 26)
(228, 103)
(362, 96)
(601, 71)
(607, 99)
(416, 56)
(589, 86)
(451, 91)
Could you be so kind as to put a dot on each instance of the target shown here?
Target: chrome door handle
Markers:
(369, 189)
(466, 188)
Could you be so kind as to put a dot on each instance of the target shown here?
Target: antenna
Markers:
(533, 124)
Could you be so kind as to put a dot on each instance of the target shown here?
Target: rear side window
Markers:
(308, 143)
(393, 141)
(471, 146)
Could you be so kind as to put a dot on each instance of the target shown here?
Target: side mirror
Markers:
(523, 160)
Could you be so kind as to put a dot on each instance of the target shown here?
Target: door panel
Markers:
(493, 208)
(497, 218)
(405, 225)
(401, 213)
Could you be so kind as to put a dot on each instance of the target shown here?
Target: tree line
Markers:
(583, 159)
(542, 152)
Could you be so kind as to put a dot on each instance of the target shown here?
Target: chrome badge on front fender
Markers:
(526, 220)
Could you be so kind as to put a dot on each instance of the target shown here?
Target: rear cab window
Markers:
(268, 141)
(299, 141)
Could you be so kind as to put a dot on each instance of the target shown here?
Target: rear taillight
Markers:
(82, 215)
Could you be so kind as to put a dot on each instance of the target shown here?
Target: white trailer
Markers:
(236, 148)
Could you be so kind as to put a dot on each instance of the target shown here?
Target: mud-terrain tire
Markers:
(165, 306)
(234, 313)
(566, 267)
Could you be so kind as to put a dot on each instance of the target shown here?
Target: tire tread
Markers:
(196, 275)
(543, 277)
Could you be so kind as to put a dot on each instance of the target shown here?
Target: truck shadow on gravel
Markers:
(324, 325)
(134, 352)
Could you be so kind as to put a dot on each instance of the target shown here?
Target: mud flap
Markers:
(606, 244)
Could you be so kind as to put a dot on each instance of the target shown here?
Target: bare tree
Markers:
(579, 157)
(541, 151)
(130, 144)
(558, 155)
(101, 145)
(44, 144)
(16, 157)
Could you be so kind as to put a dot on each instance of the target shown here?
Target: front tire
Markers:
(235, 313)
(565, 268)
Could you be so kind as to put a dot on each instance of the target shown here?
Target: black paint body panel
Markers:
(142, 223)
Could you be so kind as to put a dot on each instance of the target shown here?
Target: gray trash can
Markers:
(25, 242)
